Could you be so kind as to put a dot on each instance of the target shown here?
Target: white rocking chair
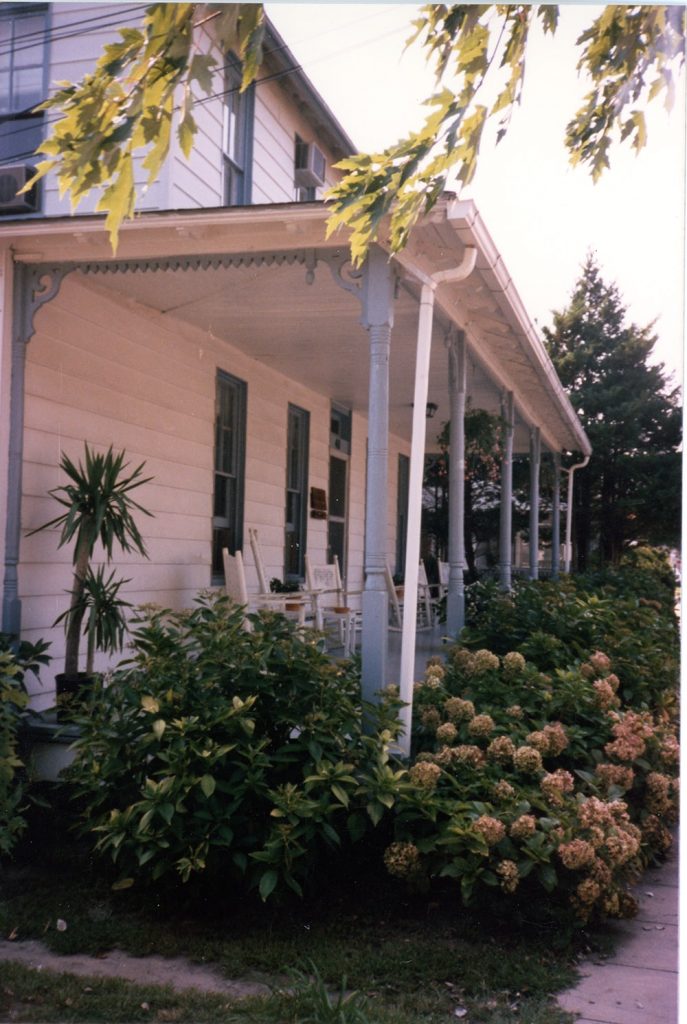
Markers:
(291, 605)
(235, 581)
(444, 573)
(425, 616)
(330, 603)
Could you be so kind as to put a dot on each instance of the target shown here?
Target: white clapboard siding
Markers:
(78, 33)
(103, 369)
(198, 180)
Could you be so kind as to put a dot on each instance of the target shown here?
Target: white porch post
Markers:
(556, 518)
(377, 318)
(417, 465)
(535, 463)
(455, 603)
(506, 518)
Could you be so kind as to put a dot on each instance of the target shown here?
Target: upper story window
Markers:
(23, 66)
(238, 137)
(310, 167)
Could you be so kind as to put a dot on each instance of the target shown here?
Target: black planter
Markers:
(69, 693)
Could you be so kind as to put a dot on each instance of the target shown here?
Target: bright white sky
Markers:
(542, 214)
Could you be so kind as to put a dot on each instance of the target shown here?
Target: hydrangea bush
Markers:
(628, 613)
(535, 783)
(544, 776)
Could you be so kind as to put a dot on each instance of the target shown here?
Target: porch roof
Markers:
(312, 331)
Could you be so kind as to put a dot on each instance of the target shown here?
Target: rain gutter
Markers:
(429, 284)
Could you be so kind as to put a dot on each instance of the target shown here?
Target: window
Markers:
(340, 430)
(297, 444)
(23, 64)
(238, 137)
(340, 447)
(304, 193)
(230, 448)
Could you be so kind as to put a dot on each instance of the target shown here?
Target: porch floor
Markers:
(427, 643)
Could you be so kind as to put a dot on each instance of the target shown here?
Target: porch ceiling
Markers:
(312, 332)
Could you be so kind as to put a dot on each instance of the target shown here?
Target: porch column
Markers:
(535, 463)
(377, 318)
(455, 602)
(11, 603)
(556, 518)
(506, 519)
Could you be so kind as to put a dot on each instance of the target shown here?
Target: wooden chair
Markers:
(291, 605)
(444, 573)
(427, 603)
(425, 616)
(331, 603)
(235, 580)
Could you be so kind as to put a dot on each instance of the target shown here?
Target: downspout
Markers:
(417, 458)
(568, 511)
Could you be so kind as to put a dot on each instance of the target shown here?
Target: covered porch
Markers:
(126, 351)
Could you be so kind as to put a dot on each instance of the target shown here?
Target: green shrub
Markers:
(13, 700)
(546, 781)
(556, 624)
(228, 752)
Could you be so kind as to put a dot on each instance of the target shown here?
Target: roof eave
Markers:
(463, 215)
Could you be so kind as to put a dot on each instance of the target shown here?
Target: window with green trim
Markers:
(230, 459)
(23, 64)
(239, 109)
(296, 520)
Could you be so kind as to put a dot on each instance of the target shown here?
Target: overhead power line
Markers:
(58, 32)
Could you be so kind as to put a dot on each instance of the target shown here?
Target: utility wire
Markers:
(275, 76)
(55, 32)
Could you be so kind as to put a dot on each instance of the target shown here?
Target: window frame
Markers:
(237, 173)
(340, 436)
(20, 119)
(296, 414)
(239, 390)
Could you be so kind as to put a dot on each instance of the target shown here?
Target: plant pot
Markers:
(68, 693)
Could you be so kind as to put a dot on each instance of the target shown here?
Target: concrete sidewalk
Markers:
(638, 984)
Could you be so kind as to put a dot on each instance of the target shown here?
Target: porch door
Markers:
(297, 444)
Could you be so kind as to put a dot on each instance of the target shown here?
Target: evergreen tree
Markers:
(630, 491)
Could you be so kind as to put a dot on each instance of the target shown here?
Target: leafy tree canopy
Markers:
(630, 490)
(129, 102)
(630, 55)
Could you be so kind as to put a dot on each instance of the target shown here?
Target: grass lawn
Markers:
(410, 959)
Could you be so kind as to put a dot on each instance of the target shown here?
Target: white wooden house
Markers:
(233, 349)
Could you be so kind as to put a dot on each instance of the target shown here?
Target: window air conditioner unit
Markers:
(12, 178)
(310, 165)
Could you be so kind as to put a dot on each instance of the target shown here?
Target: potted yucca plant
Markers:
(98, 507)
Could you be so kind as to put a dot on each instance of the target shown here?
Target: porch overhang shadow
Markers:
(36, 285)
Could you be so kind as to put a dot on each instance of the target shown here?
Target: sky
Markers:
(543, 215)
